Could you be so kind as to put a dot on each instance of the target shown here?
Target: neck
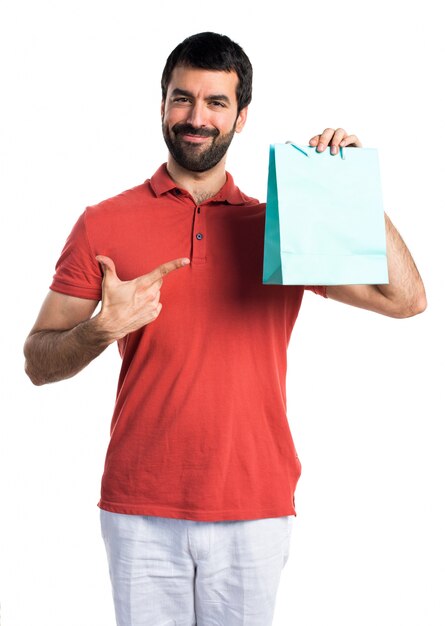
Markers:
(200, 185)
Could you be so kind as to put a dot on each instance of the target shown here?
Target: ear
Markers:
(162, 108)
(241, 120)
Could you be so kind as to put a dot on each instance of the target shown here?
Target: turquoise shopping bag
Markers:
(324, 218)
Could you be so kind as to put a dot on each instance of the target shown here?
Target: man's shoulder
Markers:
(232, 194)
(125, 199)
(252, 204)
(250, 200)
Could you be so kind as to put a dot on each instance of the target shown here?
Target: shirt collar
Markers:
(161, 183)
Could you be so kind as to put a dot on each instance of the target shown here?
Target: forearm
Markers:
(405, 288)
(53, 355)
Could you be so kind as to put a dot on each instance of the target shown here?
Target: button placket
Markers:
(199, 236)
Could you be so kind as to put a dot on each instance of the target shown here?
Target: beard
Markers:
(196, 157)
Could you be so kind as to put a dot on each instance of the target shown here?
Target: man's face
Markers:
(200, 116)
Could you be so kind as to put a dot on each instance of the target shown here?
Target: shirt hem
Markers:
(77, 292)
(196, 515)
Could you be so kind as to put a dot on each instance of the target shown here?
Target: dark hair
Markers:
(210, 51)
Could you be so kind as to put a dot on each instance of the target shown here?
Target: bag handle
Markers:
(306, 152)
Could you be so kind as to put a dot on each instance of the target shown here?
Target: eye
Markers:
(181, 99)
(217, 103)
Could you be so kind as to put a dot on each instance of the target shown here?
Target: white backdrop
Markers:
(80, 122)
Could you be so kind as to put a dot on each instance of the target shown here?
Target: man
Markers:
(197, 498)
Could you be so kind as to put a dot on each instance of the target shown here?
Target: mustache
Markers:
(188, 129)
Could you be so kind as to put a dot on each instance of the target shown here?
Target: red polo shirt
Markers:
(199, 429)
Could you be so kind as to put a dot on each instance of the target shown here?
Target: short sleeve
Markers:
(319, 290)
(77, 271)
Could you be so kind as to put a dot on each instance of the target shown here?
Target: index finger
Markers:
(164, 269)
(325, 138)
(321, 141)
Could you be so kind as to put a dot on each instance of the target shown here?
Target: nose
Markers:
(197, 117)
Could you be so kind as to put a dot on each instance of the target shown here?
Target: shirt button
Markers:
(199, 236)
(177, 191)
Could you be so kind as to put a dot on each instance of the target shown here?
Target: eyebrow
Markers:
(184, 92)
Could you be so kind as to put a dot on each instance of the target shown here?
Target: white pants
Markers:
(175, 572)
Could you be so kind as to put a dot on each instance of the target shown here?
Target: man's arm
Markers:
(404, 296)
(65, 338)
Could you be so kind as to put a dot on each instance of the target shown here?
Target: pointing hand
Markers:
(129, 305)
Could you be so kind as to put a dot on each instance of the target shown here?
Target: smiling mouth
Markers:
(195, 138)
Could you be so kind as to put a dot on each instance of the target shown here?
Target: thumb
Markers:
(108, 268)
